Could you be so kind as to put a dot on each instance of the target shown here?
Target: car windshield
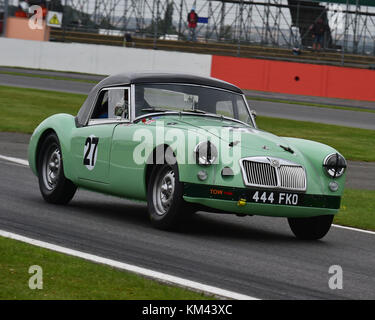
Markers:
(190, 98)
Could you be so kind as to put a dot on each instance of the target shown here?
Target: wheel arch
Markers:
(42, 138)
(61, 125)
(156, 157)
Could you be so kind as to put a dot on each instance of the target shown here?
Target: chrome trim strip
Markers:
(132, 104)
(212, 115)
(249, 111)
(94, 122)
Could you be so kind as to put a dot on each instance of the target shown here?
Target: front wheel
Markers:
(166, 206)
(312, 228)
(53, 185)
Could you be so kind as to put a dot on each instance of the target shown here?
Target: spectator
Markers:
(192, 24)
(128, 40)
(318, 30)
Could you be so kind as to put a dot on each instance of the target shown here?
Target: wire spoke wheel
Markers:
(51, 167)
(54, 186)
(166, 206)
(163, 191)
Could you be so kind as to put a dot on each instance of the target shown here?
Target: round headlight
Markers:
(335, 165)
(205, 153)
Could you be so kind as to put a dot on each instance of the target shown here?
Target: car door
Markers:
(91, 144)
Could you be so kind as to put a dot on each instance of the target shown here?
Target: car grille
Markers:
(261, 174)
(268, 172)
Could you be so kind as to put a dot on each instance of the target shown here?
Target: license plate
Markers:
(272, 197)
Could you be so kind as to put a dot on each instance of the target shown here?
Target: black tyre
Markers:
(166, 206)
(53, 185)
(313, 228)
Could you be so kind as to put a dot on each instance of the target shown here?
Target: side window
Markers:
(112, 104)
(243, 113)
(118, 104)
(101, 106)
(225, 108)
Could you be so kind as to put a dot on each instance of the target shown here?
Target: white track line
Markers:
(159, 276)
(353, 229)
(26, 163)
(15, 160)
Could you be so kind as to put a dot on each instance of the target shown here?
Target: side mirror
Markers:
(254, 114)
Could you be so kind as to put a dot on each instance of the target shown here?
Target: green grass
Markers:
(67, 277)
(44, 76)
(310, 104)
(353, 143)
(357, 209)
(23, 109)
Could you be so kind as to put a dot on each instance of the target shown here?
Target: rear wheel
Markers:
(166, 206)
(53, 185)
(312, 228)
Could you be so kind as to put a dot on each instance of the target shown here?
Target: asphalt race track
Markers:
(46, 84)
(253, 255)
(347, 118)
(256, 256)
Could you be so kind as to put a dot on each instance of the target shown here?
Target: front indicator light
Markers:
(202, 175)
(333, 186)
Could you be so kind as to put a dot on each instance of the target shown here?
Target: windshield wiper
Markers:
(210, 114)
(154, 110)
(195, 110)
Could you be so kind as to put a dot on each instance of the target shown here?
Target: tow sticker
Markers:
(90, 152)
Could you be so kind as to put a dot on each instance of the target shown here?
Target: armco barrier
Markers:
(296, 78)
(98, 59)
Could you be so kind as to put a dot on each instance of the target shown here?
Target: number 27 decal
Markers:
(90, 152)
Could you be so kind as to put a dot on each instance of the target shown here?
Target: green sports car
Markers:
(186, 143)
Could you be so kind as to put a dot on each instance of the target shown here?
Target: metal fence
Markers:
(276, 23)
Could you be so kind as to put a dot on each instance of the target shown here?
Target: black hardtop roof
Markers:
(129, 78)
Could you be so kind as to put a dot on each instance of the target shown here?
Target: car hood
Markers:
(251, 140)
(256, 143)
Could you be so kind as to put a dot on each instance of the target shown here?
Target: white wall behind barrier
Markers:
(98, 59)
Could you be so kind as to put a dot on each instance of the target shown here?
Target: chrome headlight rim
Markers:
(339, 169)
(206, 158)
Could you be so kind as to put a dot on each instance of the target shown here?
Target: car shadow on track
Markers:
(200, 225)
(232, 227)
